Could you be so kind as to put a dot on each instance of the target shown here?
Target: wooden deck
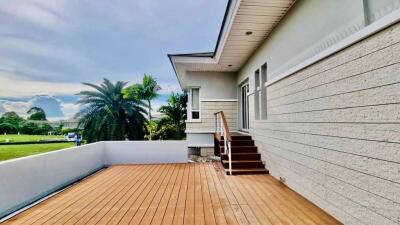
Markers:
(174, 194)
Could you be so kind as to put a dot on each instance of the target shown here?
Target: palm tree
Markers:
(147, 91)
(107, 115)
(175, 112)
(36, 113)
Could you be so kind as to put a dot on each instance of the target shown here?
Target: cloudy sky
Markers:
(49, 47)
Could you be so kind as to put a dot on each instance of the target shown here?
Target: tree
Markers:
(13, 119)
(172, 124)
(175, 111)
(8, 128)
(107, 115)
(147, 91)
(36, 113)
(29, 128)
(159, 130)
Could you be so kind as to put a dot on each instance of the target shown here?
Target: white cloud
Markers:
(69, 109)
(14, 87)
(20, 107)
(44, 14)
(167, 88)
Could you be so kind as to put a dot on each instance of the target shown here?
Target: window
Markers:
(257, 88)
(194, 102)
(263, 92)
(260, 93)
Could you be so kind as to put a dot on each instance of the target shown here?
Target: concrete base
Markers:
(206, 151)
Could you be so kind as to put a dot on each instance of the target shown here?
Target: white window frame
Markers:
(263, 91)
(189, 107)
(257, 94)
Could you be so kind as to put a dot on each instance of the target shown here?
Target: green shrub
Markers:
(8, 128)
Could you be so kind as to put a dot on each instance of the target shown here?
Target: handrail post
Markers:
(230, 157)
(216, 122)
(224, 132)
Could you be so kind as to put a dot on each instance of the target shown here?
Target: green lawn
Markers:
(22, 138)
(17, 151)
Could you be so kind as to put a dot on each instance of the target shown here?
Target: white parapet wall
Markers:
(143, 152)
(28, 179)
(25, 180)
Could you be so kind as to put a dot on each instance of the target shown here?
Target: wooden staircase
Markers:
(245, 156)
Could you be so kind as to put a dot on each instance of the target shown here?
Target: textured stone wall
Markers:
(333, 131)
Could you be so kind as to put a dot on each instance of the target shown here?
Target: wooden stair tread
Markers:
(242, 161)
(242, 146)
(242, 153)
(245, 156)
(247, 171)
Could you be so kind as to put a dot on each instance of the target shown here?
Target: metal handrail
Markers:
(224, 131)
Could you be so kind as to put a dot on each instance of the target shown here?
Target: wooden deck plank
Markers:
(207, 202)
(240, 200)
(170, 211)
(109, 210)
(199, 216)
(98, 212)
(175, 194)
(319, 216)
(239, 214)
(68, 206)
(189, 206)
(148, 174)
(84, 210)
(162, 207)
(55, 201)
(270, 195)
(180, 206)
(218, 211)
(275, 215)
(160, 200)
(225, 204)
(147, 183)
(77, 208)
(280, 210)
(136, 211)
(262, 212)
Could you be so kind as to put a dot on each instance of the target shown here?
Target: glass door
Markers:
(244, 107)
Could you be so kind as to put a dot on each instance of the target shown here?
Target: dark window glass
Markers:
(195, 115)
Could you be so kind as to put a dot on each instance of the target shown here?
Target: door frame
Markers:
(244, 106)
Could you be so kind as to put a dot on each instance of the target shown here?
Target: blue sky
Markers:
(49, 47)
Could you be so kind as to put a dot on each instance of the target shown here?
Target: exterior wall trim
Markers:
(219, 100)
(200, 131)
(352, 39)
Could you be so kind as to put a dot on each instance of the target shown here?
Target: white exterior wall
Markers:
(333, 129)
(28, 179)
(25, 180)
(200, 139)
(213, 85)
(143, 152)
(218, 92)
(310, 27)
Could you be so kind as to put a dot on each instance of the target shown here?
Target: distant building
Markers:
(70, 123)
(51, 123)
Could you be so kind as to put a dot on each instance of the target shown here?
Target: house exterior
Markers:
(317, 85)
(70, 123)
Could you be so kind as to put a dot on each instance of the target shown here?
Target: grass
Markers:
(17, 151)
(22, 138)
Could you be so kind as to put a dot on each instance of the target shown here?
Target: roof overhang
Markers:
(234, 45)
